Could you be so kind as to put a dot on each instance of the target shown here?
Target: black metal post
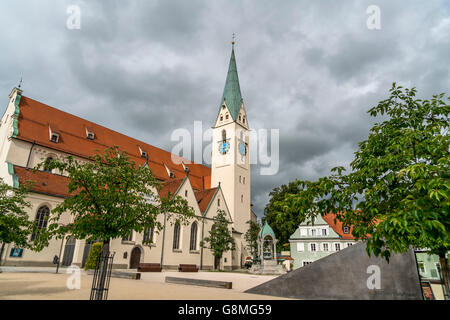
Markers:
(60, 251)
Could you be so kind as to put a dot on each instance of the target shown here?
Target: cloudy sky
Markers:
(311, 69)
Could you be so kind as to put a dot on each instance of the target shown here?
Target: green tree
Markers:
(283, 223)
(94, 254)
(220, 239)
(397, 193)
(110, 197)
(251, 237)
(15, 226)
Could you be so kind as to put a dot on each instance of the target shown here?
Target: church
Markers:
(31, 132)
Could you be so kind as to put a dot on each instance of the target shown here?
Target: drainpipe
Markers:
(201, 247)
(164, 236)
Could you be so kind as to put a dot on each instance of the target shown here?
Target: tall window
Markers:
(148, 235)
(337, 246)
(224, 135)
(176, 236)
(193, 242)
(41, 221)
(324, 232)
(218, 202)
(313, 232)
(325, 247)
(313, 247)
(129, 237)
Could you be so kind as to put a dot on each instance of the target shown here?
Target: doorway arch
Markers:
(135, 257)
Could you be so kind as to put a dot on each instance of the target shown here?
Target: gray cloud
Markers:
(309, 68)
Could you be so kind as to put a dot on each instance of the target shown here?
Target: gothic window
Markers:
(176, 236)
(148, 235)
(221, 117)
(218, 202)
(242, 198)
(226, 116)
(193, 242)
(41, 221)
(185, 193)
(239, 117)
(243, 120)
(129, 237)
(243, 180)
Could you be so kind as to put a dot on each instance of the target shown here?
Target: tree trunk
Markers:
(445, 276)
(1, 253)
(103, 269)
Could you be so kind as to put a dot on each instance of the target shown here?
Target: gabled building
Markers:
(313, 241)
(31, 132)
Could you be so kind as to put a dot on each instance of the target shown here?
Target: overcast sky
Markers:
(311, 69)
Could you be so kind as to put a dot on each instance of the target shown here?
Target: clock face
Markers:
(224, 147)
(242, 148)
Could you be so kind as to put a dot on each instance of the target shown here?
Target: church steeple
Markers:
(232, 91)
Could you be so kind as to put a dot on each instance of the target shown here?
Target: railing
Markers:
(102, 277)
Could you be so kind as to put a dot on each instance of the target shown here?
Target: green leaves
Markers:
(220, 239)
(399, 179)
(15, 225)
(111, 196)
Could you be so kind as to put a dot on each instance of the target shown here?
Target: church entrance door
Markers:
(135, 258)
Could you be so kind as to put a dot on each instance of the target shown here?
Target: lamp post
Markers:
(60, 250)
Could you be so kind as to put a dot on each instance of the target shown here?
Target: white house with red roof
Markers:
(313, 241)
(31, 132)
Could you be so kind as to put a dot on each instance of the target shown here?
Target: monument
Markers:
(267, 262)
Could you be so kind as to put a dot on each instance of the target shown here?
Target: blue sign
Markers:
(16, 252)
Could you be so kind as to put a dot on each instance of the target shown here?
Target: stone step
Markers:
(200, 282)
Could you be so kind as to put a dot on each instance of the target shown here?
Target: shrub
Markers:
(94, 254)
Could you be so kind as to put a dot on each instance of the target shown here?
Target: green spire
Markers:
(232, 91)
(266, 230)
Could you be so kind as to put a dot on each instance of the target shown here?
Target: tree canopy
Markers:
(396, 193)
(110, 197)
(220, 239)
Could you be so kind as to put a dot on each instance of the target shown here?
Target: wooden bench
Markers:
(149, 267)
(188, 268)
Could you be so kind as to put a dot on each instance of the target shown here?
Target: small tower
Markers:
(230, 150)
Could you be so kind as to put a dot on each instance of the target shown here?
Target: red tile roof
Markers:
(338, 226)
(35, 118)
(44, 182)
(170, 187)
(204, 198)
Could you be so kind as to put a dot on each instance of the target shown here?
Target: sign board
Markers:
(16, 252)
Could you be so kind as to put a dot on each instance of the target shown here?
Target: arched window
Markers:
(242, 198)
(176, 236)
(47, 161)
(224, 135)
(41, 221)
(221, 117)
(226, 116)
(218, 202)
(243, 119)
(193, 242)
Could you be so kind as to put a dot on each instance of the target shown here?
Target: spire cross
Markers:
(20, 83)
(234, 36)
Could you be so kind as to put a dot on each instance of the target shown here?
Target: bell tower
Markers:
(230, 150)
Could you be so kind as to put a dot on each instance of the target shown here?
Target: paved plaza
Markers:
(43, 285)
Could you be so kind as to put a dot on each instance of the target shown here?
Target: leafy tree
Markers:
(397, 193)
(94, 255)
(15, 226)
(283, 223)
(110, 197)
(220, 239)
(251, 237)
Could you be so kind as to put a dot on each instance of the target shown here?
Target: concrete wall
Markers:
(344, 275)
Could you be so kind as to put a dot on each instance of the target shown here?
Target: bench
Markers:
(149, 267)
(188, 268)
